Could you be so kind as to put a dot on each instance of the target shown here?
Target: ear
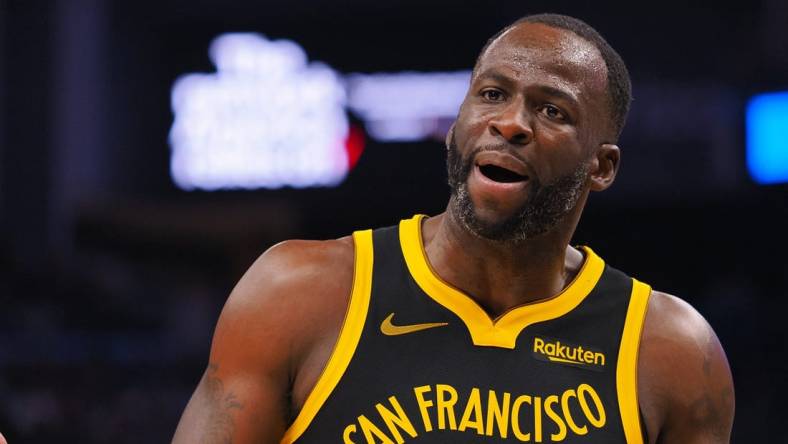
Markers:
(604, 166)
(449, 134)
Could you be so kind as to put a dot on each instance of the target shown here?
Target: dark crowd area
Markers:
(112, 278)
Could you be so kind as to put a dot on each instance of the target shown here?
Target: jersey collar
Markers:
(486, 331)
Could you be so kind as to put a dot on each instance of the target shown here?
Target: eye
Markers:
(552, 112)
(492, 95)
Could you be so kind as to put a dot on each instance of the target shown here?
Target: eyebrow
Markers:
(545, 89)
(549, 90)
(496, 76)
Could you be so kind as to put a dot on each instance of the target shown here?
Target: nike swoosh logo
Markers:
(389, 329)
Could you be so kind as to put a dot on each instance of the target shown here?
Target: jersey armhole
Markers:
(626, 370)
(348, 339)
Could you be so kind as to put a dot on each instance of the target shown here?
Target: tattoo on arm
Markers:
(221, 423)
(712, 410)
(715, 406)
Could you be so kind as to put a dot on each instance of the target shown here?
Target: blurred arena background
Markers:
(117, 253)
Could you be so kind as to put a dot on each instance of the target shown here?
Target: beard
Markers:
(545, 207)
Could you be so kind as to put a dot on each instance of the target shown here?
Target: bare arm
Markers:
(288, 305)
(684, 382)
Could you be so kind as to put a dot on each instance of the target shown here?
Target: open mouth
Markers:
(500, 174)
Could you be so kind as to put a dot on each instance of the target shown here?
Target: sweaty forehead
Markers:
(557, 52)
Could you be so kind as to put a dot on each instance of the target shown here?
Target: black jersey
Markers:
(419, 361)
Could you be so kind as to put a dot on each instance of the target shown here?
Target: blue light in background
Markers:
(767, 138)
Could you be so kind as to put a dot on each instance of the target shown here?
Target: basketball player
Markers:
(481, 324)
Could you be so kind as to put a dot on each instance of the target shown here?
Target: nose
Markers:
(512, 124)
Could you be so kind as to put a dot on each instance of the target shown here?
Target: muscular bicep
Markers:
(685, 383)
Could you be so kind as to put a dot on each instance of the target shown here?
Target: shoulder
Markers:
(295, 265)
(684, 381)
(291, 296)
(296, 274)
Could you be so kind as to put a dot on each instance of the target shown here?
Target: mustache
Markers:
(500, 148)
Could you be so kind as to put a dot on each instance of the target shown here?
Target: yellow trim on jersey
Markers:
(347, 341)
(485, 331)
(627, 367)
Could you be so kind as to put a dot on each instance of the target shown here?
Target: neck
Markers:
(500, 275)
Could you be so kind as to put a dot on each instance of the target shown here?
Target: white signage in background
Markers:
(407, 106)
(265, 119)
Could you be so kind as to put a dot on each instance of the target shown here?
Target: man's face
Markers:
(523, 143)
